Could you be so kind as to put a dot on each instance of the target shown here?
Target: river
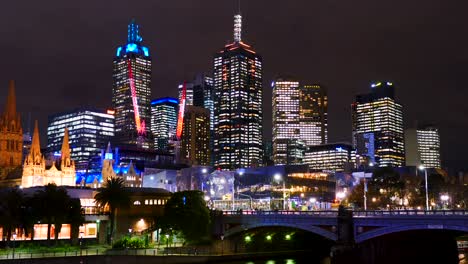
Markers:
(301, 260)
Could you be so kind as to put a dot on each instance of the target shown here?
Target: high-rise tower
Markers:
(131, 93)
(164, 121)
(237, 104)
(378, 126)
(313, 111)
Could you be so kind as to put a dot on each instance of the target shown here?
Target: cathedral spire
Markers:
(10, 108)
(65, 151)
(35, 151)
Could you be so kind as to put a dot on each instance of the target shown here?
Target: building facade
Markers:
(90, 131)
(377, 124)
(423, 147)
(328, 157)
(313, 114)
(163, 121)
(131, 93)
(11, 136)
(286, 123)
(195, 141)
(237, 104)
(35, 171)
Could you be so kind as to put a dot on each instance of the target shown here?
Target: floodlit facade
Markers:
(90, 131)
(328, 157)
(237, 104)
(313, 114)
(35, 172)
(163, 121)
(131, 92)
(11, 136)
(378, 126)
(286, 124)
(195, 141)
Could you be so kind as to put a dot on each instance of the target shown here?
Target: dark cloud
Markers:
(60, 52)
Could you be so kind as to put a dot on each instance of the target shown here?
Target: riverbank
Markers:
(171, 259)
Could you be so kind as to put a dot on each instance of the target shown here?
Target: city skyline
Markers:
(411, 75)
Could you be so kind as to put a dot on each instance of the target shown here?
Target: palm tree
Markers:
(114, 196)
(54, 204)
(75, 216)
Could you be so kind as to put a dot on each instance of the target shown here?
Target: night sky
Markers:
(60, 53)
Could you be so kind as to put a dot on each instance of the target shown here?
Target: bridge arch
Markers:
(310, 228)
(393, 229)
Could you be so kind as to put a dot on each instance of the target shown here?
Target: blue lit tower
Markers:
(237, 104)
(131, 92)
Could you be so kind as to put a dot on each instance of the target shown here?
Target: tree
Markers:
(75, 217)
(53, 203)
(113, 195)
(187, 212)
(11, 203)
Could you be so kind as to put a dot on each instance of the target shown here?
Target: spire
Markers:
(35, 150)
(108, 154)
(238, 27)
(10, 108)
(134, 33)
(65, 151)
(108, 150)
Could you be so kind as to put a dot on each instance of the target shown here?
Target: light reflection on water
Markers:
(280, 261)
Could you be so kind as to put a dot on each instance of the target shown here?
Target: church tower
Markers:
(34, 165)
(11, 135)
(108, 165)
(67, 165)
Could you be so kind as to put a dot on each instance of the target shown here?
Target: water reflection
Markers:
(281, 261)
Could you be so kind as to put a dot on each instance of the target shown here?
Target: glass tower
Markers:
(131, 92)
(163, 121)
(377, 121)
(237, 104)
(313, 108)
(286, 125)
(89, 131)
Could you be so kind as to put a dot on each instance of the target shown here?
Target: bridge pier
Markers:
(344, 250)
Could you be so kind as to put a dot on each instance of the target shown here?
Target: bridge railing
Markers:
(308, 213)
(409, 213)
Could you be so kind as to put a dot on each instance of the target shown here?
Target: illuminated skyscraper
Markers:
(89, 131)
(286, 125)
(131, 93)
(423, 147)
(195, 141)
(237, 104)
(163, 121)
(188, 92)
(378, 126)
(313, 114)
(203, 95)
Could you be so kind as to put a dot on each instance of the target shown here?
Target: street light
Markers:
(81, 243)
(279, 178)
(167, 244)
(222, 244)
(421, 167)
(444, 198)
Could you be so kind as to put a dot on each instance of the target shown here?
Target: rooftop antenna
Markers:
(238, 25)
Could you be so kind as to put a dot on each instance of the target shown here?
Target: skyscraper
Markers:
(423, 147)
(237, 104)
(203, 94)
(195, 139)
(90, 131)
(378, 126)
(188, 92)
(286, 125)
(163, 121)
(313, 114)
(131, 93)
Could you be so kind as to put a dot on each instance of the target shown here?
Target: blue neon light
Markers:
(119, 49)
(145, 51)
(131, 47)
(165, 100)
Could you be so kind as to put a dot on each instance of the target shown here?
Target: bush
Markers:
(126, 242)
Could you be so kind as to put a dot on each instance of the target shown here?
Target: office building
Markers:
(195, 141)
(188, 92)
(131, 92)
(90, 131)
(237, 104)
(422, 147)
(328, 157)
(286, 123)
(164, 121)
(377, 124)
(313, 114)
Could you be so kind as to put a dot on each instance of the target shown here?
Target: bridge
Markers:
(345, 225)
